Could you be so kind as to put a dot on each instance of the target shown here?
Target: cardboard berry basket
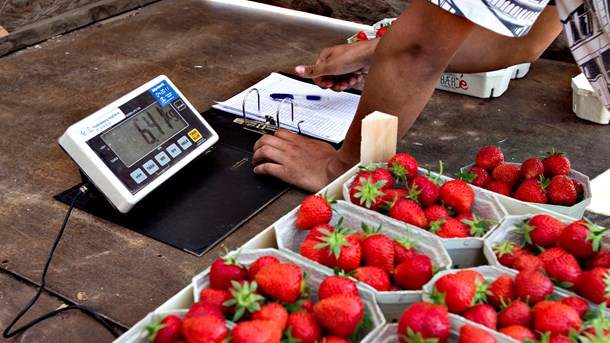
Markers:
(389, 333)
(289, 239)
(514, 206)
(464, 252)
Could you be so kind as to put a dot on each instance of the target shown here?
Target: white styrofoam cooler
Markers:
(585, 103)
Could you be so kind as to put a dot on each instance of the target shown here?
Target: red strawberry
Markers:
(377, 249)
(515, 313)
(336, 284)
(403, 249)
(518, 332)
(531, 190)
(413, 273)
(381, 31)
(204, 329)
(424, 320)
(506, 172)
(457, 291)
(458, 195)
(281, 281)
(600, 258)
(339, 314)
(216, 297)
(475, 226)
(201, 308)
(341, 249)
(581, 238)
(449, 228)
(594, 285)
(489, 157)
(368, 192)
(556, 318)
(393, 194)
(477, 176)
(374, 277)
(315, 209)
(409, 212)
(224, 270)
(561, 191)
(542, 230)
(482, 314)
(167, 330)
(309, 249)
(403, 166)
(527, 262)
(304, 327)
(360, 36)
(580, 190)
(507, 252)
(579, 304)
(319, 231)
(556, 163)
(245, 300)
(501, 291)
(426, 188)
(499, 187)
(259, 263)
(470, 333)
(435, 212)
(274, 312)
(333, 339)
(533, 286)
(256, 331)
(532, 168)
(561, 266)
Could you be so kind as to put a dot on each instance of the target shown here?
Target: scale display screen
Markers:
(131, 146)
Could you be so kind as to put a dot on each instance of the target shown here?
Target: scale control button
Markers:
(184, 142)
(195, 135)
(162, 158)
(151, 167)
(138, 176)
(173, 150)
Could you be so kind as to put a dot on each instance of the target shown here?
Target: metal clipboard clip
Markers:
(271, 124)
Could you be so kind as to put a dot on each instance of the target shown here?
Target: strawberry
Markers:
(413, 273)
(531, 190)
(561, 266)
(341, 249)
(360, 36)
(424, 190)
(320, 231)
(339, 314)
(507, 252)
(489, 157)
(281, 281)
(409, 212)
(201, 308)
(374, 277)
(556, 163)
(579, 304)
(501, 291)
(483, 314)
(582, 238)
(256, 331)
(274, 312)
(315, 209)
(226, 269)
(458, 195)
(506, 172)
(422, 321)
(580, 190)
(532, 168)
(458, 291)
(435, 212)
(476, 226)
(166, 330)
(556, 318)
(449, 228)
(403, 166)
(377, 249)
(403, 249)
(600, 258)
(515, 313)
(336, 284)
(216, 297)
(333, 339)
(561, 191)
(245, 300)
(518, 332)
(527, 262)
(533, 286)
(367, 192)
(392, 195)
(476, 176)
(308, 249)
(259, 263)
(542, 230)
(470, 333)
(499, 187)
(304, 327)
(204, 329)
(381, 31)
(594, 285)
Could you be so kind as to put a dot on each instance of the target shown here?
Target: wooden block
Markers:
(378, 144)
(3, 32)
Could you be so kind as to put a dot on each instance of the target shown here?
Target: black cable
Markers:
(7, 334)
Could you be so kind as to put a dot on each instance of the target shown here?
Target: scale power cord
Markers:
(7, 334)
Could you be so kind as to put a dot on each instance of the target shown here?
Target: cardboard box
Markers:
(585, 102)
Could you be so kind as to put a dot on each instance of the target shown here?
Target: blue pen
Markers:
(281, 96)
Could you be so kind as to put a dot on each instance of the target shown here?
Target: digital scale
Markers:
(133, 145)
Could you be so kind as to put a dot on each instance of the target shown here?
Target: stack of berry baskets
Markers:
(462, 231)
(518, 305)
(371, 322)
(490, 157)
(425, 252)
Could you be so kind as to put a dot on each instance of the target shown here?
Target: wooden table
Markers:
(211, 51)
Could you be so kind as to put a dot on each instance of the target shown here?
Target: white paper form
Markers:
(327, 119)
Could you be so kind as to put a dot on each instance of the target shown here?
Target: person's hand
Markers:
(303, 162)
(340, 67)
